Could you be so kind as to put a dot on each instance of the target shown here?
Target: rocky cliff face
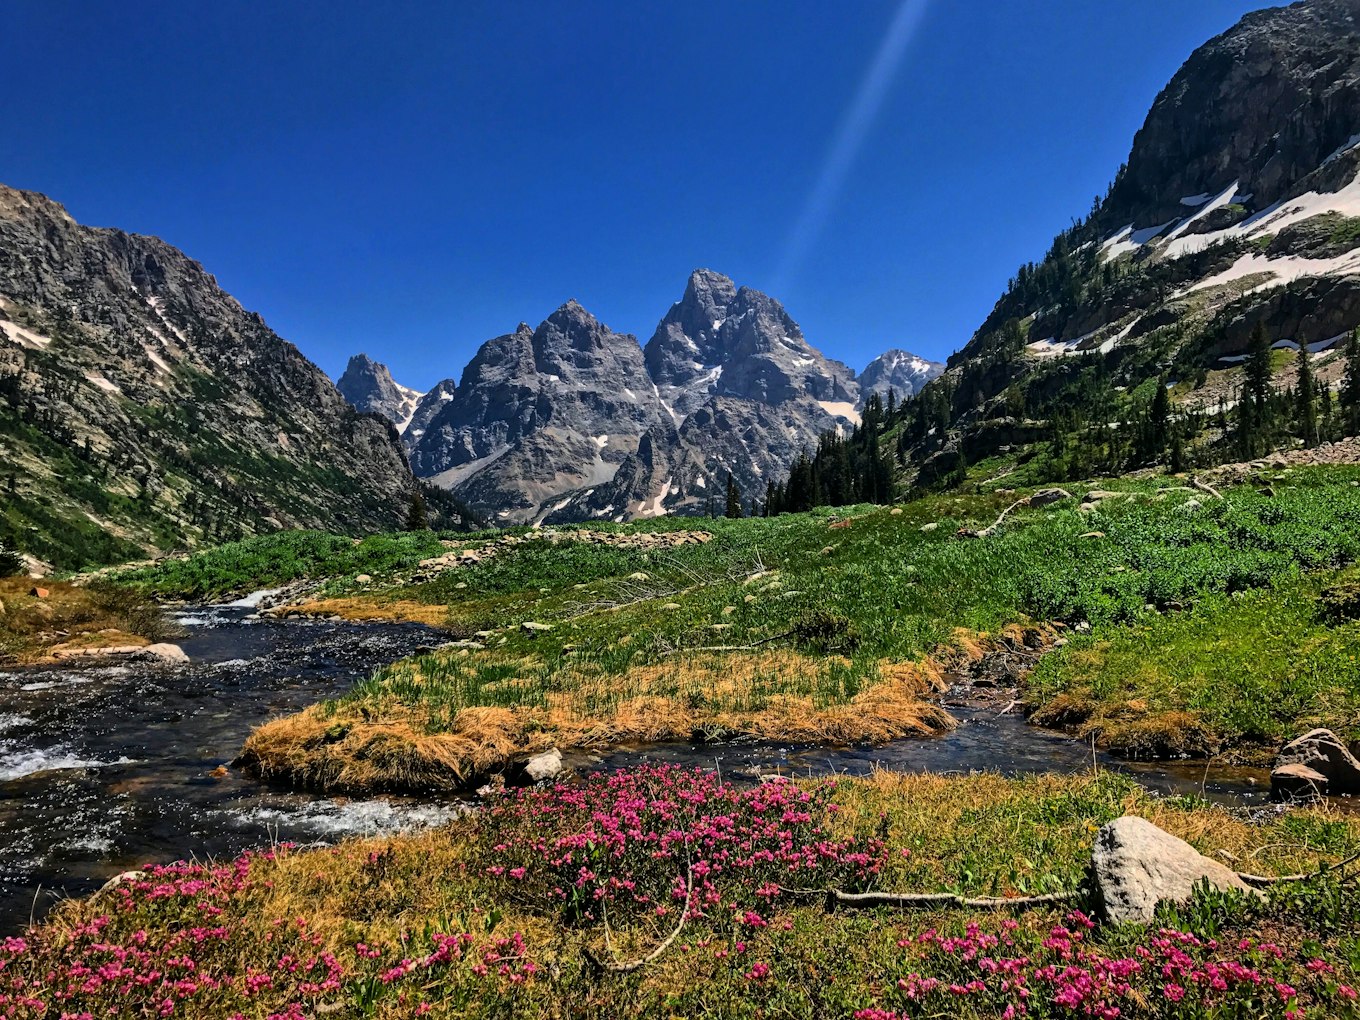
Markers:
(142, 408)
(370, 388)
(900, 371)
(1239, 205)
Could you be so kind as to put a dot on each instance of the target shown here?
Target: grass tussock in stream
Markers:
(498, 915)
(439, 722)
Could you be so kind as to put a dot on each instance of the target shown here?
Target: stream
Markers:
(104, 767)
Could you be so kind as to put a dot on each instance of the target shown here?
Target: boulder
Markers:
(363, 578)
(542, 768)
(928, 528)
(164, 652)
(1297, 782)
(1047, 497)
(39, 593)
(1323, 752)
(1137, 865)
(531, 627)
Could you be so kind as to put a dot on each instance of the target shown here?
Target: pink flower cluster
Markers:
(182, 941)
(637, 839)
(1178, 973)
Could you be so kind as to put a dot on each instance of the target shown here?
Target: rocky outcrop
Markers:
(897, 371)
(1258, 108)
(1322, 752)
(1136, 866)
(369, 387)
(142, 408)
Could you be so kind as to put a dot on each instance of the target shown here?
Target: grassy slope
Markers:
(829, 640)
(357, 930)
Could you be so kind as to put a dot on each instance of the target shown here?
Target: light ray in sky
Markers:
(850, 135)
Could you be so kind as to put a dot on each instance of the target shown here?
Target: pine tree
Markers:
(733, 497)
(1159, 420)
(1350, 384)
(1254, 407)
(417, 518)
(1305, 407)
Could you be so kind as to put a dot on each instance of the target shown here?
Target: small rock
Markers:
(1323, 752)
(928, 528)
(363, 578)
(544, 767)
(749, 599)
(1296, 782)
(165, 652)
(671, 605)
(533, 627)
(639, 576)
(827, 550)
(1190, 506)
(1047, 497)
(1137, 865)
(728, 610)
(1094, 534)
(39, 593)
(896, 511)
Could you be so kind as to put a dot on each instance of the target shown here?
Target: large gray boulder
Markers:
(1324, 753)
(1138, 865)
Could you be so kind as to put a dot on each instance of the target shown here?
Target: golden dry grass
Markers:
(414, 735)
(360, 608)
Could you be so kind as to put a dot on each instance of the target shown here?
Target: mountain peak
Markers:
(900, 371)
(368, 386)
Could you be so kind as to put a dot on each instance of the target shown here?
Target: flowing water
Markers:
(106, 767)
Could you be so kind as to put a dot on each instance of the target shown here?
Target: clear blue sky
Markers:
(411, 179)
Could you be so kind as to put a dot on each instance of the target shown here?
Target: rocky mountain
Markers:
(572, 421)
(721, 340)
(897, 370)
(369, 387)
(1239, 205)
(540, 413)
(143, 409)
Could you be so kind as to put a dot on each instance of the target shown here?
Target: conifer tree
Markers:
(1159, 420)
(733, 498)
(417, 518)
(1305, 407)
(1350, 384)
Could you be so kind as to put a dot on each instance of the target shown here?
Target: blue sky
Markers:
(412, 179)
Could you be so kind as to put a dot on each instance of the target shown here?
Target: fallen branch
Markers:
(997, 523)
(1256, 880)
(614, 966)
(915, 901)
(1205, 487)
(732, 648)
